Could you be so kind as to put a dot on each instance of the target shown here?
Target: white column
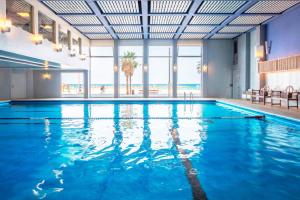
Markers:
(204, 63)
(69, 40)
(116, 69)
(2, 9)
(35, 20)
(146, 69)
(174, 69)
(86, 84)
(55, 33)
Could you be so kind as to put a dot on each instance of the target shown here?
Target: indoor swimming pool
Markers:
(146, 150)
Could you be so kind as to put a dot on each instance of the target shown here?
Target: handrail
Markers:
(184, 96)
(191, 96)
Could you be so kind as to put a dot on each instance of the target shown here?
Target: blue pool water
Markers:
(145, 151)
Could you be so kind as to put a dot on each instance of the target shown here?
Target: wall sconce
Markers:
(175, 68)
(46, 64)
(58, 47)
(204, 68)
(116, 68)
(37, 39)
(5, 25)
(82, 57)
(73, 52)
(46, 76)
(259, 52)
(145, 68)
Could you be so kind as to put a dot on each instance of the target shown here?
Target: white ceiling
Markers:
(167, 19)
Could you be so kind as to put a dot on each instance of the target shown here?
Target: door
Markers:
(18, 85)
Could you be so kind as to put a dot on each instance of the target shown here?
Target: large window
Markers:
(46, 27)
(19, 12)
(189, 77)
(131, 77)
(72, 84)
(102, 75)
(160, 71)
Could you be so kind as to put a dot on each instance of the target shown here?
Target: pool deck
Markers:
(276, 110)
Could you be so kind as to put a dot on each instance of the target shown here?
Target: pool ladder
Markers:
(185, 100)
(191, 96)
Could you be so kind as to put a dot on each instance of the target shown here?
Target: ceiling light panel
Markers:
(235, 29)
(272, 6)
(163, 29)
(119, 20)
(92, 29)
(171, 6)
(163, 19)
(130, 36)
(162, 36)
(127, 29)
(200, 29)
(251, 20)
(192, 36)
(224, 36)
(82, 19)
(208, 19)
(72, 6)
(220, 6)
(99, 36)
(119, 6)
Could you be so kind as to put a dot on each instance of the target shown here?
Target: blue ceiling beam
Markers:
(193, 9)
(240, 11)
(92, 4)
(145, 17)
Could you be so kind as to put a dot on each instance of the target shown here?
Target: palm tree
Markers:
(129, 64)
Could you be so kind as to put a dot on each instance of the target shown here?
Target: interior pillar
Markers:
(3, 9)
(69, 35)
(86, 84)
(204, 74)
(35, 20)
(260, 41)
(146, 69)
(174, 69)
(116, 69)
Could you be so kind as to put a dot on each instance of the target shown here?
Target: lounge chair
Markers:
(260, 95)
(290, 95)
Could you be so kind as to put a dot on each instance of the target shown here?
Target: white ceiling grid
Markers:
(184, 19)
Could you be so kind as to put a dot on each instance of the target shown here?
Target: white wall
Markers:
(5, 83)
(47, 88)
(218, 56)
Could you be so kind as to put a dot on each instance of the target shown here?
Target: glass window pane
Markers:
(102, 77)
(160, 50)
(131, 72)
(19, 12)
(189, 51)
(102, 51)
(46, 27)
(189, 78)
(160, 76)
(72, 84)
(136, 79)
(138, 50)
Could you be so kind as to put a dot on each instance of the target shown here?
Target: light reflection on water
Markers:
(131, 154)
